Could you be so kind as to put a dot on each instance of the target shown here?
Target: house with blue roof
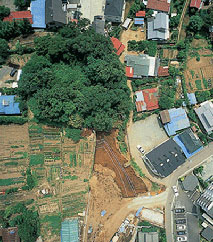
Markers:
(37, 8)
(8, 105)
(176, 119)
(70, 230)
(192, 98)
(188, 142)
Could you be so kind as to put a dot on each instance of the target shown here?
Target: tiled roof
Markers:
(141, 14)
(117, 45)
(139, 21)
(19, 15)
(163, 71)
(195, 3)
(160, 5)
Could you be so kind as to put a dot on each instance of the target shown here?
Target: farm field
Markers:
(62, 169)
(199, 74)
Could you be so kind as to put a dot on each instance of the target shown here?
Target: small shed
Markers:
(207, 233)
(127, 23)
(190, 182)
(192, 98)
(164, 115)
(139, 21)
(141, 14)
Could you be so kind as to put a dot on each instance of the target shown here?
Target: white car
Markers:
(141, 149)
(181, 227)
(181, 238)
(175, 190)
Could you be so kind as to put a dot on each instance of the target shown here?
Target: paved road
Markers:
(188, 166)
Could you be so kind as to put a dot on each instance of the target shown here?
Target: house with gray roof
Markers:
(158, 27)
(190, 182)
(148, 237)
(54, 14)
(98, 24)
(205, 114)
(207, 233)
(143, 65)
(114, 10)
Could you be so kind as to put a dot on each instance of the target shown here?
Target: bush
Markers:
(12, 120)
(198, 58)
(198, 84)
(202, 96)
(36, 159)
(137, 168)
(11, 190)
(149, 47)
(74, 134)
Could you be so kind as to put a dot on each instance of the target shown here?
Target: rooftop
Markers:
(141, 14)
(205, 114)
(19, 15)
(165, 158)
(148, 237)
(192, 98)
(138, 21)
(163, 71)
(143, 65)
(189, 142)
(178, 121)
(207, 233)
(164, 115)
(190, 182)
(160, 5)
(38, 12)
(117, 45)
(69, 230)
(195, 4)
(98, 24)
(113, 10)
(8, 106)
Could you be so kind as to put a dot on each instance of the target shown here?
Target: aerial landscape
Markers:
(106, 120)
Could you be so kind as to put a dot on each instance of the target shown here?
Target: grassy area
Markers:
(53, 221)
(198, 84)
(12, 163)
(71, 177)
(205, 83)
(137, 168)
(11, 181)
(37, 159)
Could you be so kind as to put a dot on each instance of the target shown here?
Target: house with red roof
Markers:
(141, 14)
(19, 15)
(163, 71)
(195, 4)
(117, 45)
(147, 100)
(159, 5)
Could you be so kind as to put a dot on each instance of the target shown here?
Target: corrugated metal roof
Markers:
(164, 115)
(192, 98)
(195, 4)
(38, 13)
(69, 230)
(179, 121)
(19, 15)
(141, 14)
(138, 21)
(8, 105)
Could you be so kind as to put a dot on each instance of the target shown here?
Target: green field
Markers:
(36, 159)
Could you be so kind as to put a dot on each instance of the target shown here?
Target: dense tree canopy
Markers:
(4, 12)
(195, 23)
(4, 50)
(22, 4)
(77, 81)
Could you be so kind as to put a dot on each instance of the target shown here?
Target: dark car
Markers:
(180, 221)
(181, 232)
(179, 210)
(13, 72)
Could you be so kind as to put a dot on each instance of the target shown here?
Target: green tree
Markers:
(31, 179)
(22, 4)
(174, 21)
(195, 23)
(4, 50)
(4, 12)
(74, 134)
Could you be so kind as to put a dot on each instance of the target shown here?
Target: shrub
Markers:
(36, 159)
(74, 134)
(12, 120)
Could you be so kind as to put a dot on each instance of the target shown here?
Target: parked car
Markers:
(180, 221)
(13, 72)
(179, 210)
(141, 149)
(181, 232)
(181, 227)
(175, 190)
(181, 238)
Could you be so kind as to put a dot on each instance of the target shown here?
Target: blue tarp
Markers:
(179, 120)
(138, 212)
(182, 146)
(139, 21)
(192, 98)
(103, 212)
(8, 105)
(38, 13)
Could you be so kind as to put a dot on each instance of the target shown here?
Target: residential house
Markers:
(207, 233)
(148, 237)
(141, 65)
(196, 4)
(99, 24)
(19, 15)
(190, 182)
(54, 14)
(70, 230)
(114, 10)
(192, 98)
(9, 234)
(188, 142)
(141, 14)
(37, 8)
(158, 27)
(126, 24)
(117, 45)
(205, 114)
(147, 99)
(178, 120)
(163, 71)
(139, 21)
(8, 105)
(165, 158)
(159, 5)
